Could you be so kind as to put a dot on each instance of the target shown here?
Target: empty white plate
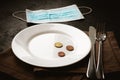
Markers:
(35, 45)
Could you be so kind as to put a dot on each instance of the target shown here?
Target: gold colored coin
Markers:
(58, 44)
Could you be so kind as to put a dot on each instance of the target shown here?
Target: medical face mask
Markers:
(63, 14)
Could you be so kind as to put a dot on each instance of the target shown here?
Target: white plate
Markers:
(35, 45)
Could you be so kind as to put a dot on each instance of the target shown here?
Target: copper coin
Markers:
(69, 47)
(61, 54)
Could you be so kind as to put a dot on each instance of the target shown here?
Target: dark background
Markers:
(104, 11)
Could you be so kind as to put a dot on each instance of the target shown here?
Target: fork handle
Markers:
(99, 70)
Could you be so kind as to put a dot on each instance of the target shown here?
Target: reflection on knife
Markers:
(91, 70)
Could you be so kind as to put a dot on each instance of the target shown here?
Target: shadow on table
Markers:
(109, 76)
(4, 76)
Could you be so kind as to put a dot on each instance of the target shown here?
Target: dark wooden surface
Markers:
(103, 11)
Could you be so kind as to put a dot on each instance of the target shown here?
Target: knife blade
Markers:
(91, 69)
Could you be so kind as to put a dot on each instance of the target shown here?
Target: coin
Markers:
(58, 44)
(61, 54)
(69, 47)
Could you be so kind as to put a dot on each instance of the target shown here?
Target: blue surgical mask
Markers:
(68, 13)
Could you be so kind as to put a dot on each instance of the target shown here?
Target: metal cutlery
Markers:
(91, 70)
(101, 36)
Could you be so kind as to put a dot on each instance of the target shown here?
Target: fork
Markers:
(101, 36)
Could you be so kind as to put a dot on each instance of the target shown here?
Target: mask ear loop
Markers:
(85, 7)
(14, 14)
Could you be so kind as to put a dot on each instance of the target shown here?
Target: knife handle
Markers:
(91, 70)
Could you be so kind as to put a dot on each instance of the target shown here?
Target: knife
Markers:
(91, 69)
